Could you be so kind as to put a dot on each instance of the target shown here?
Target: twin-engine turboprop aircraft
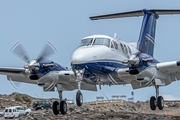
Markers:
(45, 73)
(103, 60)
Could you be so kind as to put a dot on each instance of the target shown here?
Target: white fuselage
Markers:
(102, 56)
(92, 53)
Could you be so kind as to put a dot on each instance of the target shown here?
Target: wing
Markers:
(70, 78)
(161, 74)
(65, 81)
(16, 74)
(170, 68)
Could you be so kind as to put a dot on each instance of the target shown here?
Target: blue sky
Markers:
(65, 23)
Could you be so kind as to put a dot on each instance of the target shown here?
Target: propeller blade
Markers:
(49, 49)
(14, 84)
(19, 51)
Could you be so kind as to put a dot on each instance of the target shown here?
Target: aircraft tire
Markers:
(160, 102)
(63, 107)
(79, 98)
(55, 105)
(152, 103)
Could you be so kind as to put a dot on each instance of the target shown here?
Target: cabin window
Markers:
(129, 49)
(102, 41)
(116, 45)
(86, 42)
(125, 48)
(122, 47)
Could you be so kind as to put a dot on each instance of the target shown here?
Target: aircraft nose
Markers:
(89, 54)
(82, 55)
(78, 58)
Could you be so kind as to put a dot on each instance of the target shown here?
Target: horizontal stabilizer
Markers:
(135, 14)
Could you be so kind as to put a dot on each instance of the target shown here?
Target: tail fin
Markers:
(147, 33)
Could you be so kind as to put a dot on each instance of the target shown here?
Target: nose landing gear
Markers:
(79, 78)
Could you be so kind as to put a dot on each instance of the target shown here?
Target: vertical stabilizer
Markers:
(147, 34)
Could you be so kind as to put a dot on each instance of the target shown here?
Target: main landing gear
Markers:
(157, 101)
(62, 107)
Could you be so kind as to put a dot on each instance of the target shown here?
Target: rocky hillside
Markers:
(121, 110)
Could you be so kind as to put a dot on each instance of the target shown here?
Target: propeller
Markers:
(136, 60)
(20, 52)
(14, 84)
(133, 60)
(48, 50)
(34, 65)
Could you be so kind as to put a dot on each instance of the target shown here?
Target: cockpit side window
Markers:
(102, 41)
(86, 42)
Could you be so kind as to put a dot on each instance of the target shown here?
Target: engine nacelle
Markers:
(168, 65)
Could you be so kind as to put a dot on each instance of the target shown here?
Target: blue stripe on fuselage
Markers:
(95, 70)
(99, 67)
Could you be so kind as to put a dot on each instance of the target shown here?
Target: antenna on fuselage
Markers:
(115, 35)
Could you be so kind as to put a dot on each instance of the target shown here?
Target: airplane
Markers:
(104, 60)
(46, 74)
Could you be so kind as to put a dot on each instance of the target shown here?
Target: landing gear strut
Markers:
(79, 78)
(157, 101)
(62, 107)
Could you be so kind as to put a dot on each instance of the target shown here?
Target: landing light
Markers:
(77, 72)
(81, 71)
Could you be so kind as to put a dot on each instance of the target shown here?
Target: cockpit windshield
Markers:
(102, 41)
(86, 42)
(96, 41)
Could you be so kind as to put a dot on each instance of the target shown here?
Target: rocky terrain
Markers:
(117, 110)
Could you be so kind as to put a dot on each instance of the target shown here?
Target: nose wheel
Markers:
(157, 101)
(79, 98)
